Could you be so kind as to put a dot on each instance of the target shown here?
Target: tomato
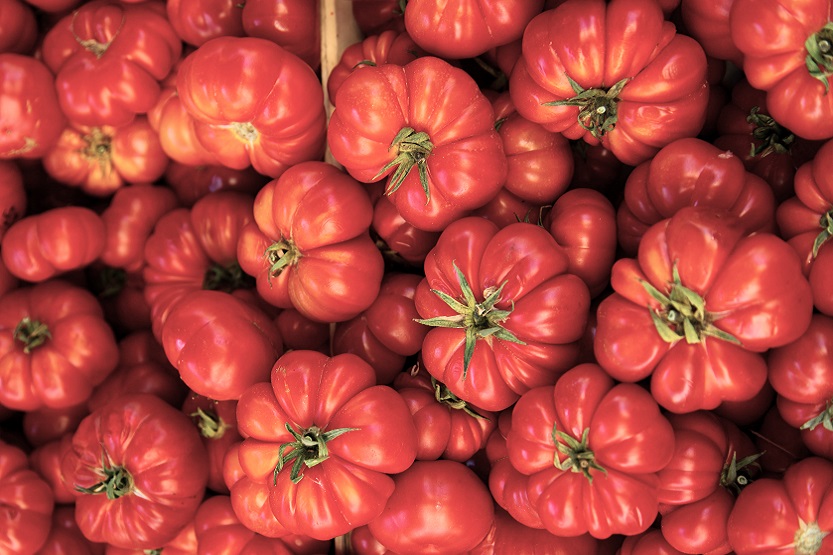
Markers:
(32, 120)
(692, 172)
(794, 69)
(616, 74)
(184, 543)
(459, 29)
(27, 503)
(196, 338)
(54, 346)
(698, 306)
(428, 130)
(122, 296)
(322, 436)
(587, 438)
(177, 133)
(136, 465)
(65, 538)
(217, 423)
(197, 22)
(647, 543)
(293, 24)
(598, 168)
(109, 58)
(510, 536)
(506, 314)
(18, 27)
(376, 16)
(388, 47)
(12, 195)
(708, 22)
(397, 239)
(694, 470)
(387, 332)
(46, 461)
(781, 443)
(507, 208)
(309, 246)
(806, 221)
(273, 115)
(446, 494)
(700, 527)
(45, 424)
(299, 332)
(792, 514)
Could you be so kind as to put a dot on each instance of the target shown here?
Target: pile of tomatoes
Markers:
(533, 276)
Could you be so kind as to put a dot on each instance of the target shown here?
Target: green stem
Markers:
(578, 455)
(309, 449)
(116, 482)
(598, 108)
(210, 424)
(281, 254)
(31, 333)
(819, 60)
(443, 395)
(824, 418)
(826, 224)
(412, 149)
(735, 473)
(773, 137)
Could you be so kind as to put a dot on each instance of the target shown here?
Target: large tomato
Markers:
(26, 504)
(428, 129)
(507, 315)
(614, 73)
(708, 22)
(109, 58)
(309, 245)
(293, 24)
(255, 104)
(398, 240)
(698, 306)
(54, 346)
(324, 437)
(137, 466)
(794, 69)
(197, 21)
(592, 449)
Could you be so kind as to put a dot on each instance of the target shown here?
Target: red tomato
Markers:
(592, 449)
(647, 543)
(708, 22)
(793, 514)
(299, 332)
(12, 195)
(507, 208)
(794, 69)
(509, 536)
(177, 132)
(506, 314)
(376, 16)
(293, 24)
(616, 74)
(428, 129)
(197, 21)
(321, 436)
(184, 543)
(31, 120)
(109, 58)
(397, 239)
(44, 425)
(309, 246)
(220, 344)
(46, 461)
(65, 538)
(18, 27)
(452, 505)
(459, 29)
(191, 183)
(136, 465)
(54, 346)
(273, 115)
(692, 172)
(27, 504)
(698, 306)
(217, 424)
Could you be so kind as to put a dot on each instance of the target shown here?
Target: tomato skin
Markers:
(708, 22)
(27, 503)
(65, 538)
(376, 16)
(692, 172)
(196, 335)
(700, 526)
(795, 98)
(158, 446)
(510, 536)
(18, 27)
(191, 183)
(184, 543)
(32, 119)
(456, 29)
(466, 165)
(299, 332)
(197, 22)
(45, 425)
(311, 226)
(12, 195)
(727, 269)
(61, 371)
(265, 120)
(771, 515)
(217, 424)
(398, 239)
(313, 394)
(537, 288)
(653, 109)
(446, 494)
(137, 47)
(586, 401)
(292, 24)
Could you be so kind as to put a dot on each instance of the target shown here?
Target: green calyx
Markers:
(826, 224)
(578, 457)
(210, 424)
(598, 108)
(735, 474)
(481, 320)
(773, 137)
(819, 58)
(226, 278)
(281, 254)
(31, 333)
(116, 481)
(99, 149)
(824, 419)
(309, 449)
(443, 395)
(808, 539)
(413, 149)
(683, 314)
(108, 282)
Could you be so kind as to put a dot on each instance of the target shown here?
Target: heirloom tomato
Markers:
(184, 543)
(506, 315)
(18, 27)
(136, 464)
(292, 24)
(612, 73)
(198, 21)
(109, 58)
(176, 130)
(65, 538)
(650, 542)
(509, 536)
(309, 247)
(26, 504)
(376, 16)
(54, 346)
(592, 449)
(324, 438)
(708, 22)
(299, 332)
(191, 183)
(697, 308)
(786, 51)
(428, 130)
(254, 104)
(398, 240)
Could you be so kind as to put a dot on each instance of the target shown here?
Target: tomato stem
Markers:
(443, 395)
(819, 60)
(825, 418)
(210, 424)
(735, 473)
(412, 149)
(281, 254)
(598, 108)
(826, 224)
(117, 481)
(578, 455)
(31, 333)
(308, 449)
(774, 137)
(808, 538)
